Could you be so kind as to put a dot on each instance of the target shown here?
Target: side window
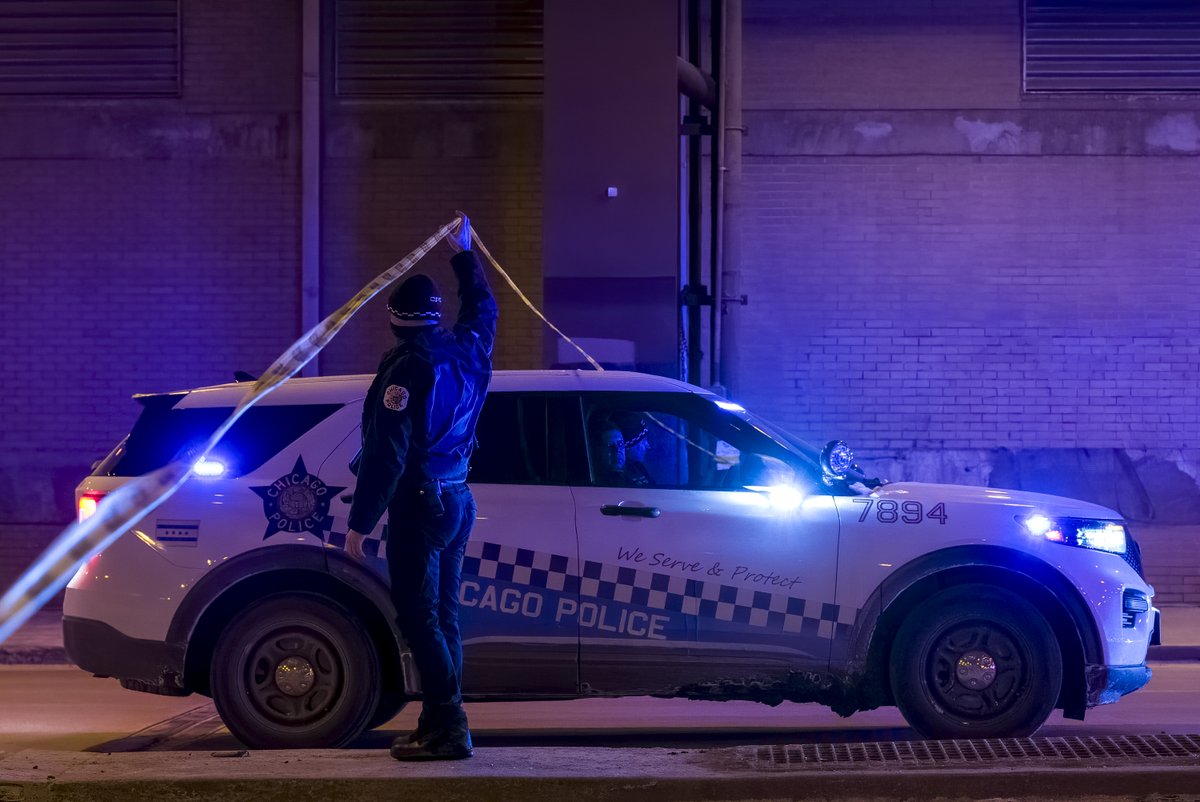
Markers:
(163, 433)
(511, 441)
(677, 441)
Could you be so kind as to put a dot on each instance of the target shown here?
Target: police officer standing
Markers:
(418, 427)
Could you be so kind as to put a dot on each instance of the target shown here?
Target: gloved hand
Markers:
(460, 239)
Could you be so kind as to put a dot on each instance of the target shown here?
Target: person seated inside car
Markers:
(608, 454)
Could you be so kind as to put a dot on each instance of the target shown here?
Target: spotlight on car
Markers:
(208, 467)
(782, 498)
(837, 459)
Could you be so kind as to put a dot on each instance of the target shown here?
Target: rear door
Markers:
(520, 571)
(707, 553)
(520, 564)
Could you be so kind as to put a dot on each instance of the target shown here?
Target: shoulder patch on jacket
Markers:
(395, 397)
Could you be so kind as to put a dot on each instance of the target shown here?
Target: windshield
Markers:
(781, 436)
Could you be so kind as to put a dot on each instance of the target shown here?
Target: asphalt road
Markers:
(61, 708)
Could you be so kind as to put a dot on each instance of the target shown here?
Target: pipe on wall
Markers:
(732, 132)
(310, 176)
(716, 184)
(696, 84)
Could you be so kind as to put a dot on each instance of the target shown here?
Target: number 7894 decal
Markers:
(888, 511)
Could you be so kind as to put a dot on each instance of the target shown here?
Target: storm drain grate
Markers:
(1111, 750)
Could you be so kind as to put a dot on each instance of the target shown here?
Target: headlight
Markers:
(1083, 532)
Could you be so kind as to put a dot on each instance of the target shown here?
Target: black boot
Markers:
(447, 738)
(421, 733)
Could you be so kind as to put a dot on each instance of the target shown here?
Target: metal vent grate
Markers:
(976, 753)
(1133, 554)
(438, 48)
(1112, 46)
(89, 47)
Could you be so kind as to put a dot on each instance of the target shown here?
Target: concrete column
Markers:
(611, 245)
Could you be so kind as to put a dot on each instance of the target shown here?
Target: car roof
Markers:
(345, 389)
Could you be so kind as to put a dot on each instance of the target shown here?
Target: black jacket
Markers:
(419, 416)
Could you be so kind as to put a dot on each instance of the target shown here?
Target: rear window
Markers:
(162, 434)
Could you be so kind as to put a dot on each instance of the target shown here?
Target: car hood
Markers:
(1052, 506)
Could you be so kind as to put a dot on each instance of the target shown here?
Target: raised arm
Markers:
(478, 312)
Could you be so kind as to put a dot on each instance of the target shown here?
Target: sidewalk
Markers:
(1034, 769)
(1040, 768)
(40, 640)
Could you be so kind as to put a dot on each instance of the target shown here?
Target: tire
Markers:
(391, 702)
(943, 695)
(335, 684)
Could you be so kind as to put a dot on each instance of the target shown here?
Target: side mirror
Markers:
(836, 460)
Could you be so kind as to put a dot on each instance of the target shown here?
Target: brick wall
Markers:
(147, 245)
(974, 302)
(954, 276)
(153, 245)
(1169, 557)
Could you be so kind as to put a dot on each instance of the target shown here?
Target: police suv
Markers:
(735, 562)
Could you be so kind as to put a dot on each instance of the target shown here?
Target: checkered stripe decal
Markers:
(676, 594)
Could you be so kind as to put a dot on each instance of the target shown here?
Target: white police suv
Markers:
(636, 535)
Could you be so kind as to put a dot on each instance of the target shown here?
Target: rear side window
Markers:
(162, 434)
(512, 442)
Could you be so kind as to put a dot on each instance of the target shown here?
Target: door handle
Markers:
(637, 512)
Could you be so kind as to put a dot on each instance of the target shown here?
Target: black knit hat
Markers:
(416, 302)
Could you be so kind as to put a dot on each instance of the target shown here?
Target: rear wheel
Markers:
(976, 662)
(295, 672)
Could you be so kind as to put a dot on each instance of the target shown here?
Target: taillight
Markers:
(87, 505)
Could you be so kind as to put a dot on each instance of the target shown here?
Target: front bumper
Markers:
(141, 665)
(1107, 684)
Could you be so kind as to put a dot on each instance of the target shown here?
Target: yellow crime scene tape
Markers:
(676, 434)
(121, 509)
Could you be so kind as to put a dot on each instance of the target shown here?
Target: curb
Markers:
(1017, 783)
(34, 655)
(1169, 654)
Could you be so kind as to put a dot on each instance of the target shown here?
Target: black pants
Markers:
(425, 556)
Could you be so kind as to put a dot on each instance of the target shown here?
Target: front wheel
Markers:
(295, 672)
(976, 662)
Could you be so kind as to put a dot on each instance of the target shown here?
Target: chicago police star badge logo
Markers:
(297, 502)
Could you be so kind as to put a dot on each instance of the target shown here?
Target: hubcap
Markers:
(976, 670)
(294, 676)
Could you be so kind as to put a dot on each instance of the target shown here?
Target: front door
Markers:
(707, 553)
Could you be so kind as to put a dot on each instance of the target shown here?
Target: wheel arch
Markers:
(249, 578)
(1036, 581)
